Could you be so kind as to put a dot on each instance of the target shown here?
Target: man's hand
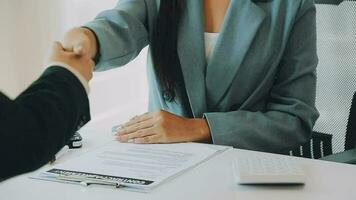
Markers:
(81, 41)
(163, 127)
(83, 64)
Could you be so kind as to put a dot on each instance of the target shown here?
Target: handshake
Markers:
(78, 49)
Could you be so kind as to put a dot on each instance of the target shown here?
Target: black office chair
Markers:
(320, 145)
(334, 135)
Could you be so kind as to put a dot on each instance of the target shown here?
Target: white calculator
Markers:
(267, 170)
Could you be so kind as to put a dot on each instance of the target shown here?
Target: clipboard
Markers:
(132, 166)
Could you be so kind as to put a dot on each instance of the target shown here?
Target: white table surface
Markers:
(212, 180)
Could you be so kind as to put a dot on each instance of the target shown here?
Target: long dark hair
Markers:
(164, 37)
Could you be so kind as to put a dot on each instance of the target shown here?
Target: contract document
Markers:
(133, 165)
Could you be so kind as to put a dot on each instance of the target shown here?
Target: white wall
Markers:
(7, 82)
(29, 27)
(22, 39)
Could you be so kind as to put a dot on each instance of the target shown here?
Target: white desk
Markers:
(210, 181)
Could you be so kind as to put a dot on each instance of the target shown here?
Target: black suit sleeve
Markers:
(40, 121)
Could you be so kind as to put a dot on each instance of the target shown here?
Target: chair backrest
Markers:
(336, 72)
(350, 142)
(329, 2)
(336, 77)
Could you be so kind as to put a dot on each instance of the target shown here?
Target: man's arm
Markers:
(40, 121)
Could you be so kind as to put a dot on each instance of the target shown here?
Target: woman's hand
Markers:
(81, 41)
(163, 127)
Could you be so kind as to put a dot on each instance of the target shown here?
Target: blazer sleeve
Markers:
(290, 113)
(40, 121)
(122, 32)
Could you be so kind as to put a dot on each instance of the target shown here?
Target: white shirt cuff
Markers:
(80, 77)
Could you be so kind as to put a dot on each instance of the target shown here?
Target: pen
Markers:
(86, 181)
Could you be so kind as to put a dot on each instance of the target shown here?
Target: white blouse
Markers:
(210, 42)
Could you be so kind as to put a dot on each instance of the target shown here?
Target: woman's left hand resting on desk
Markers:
(163, 127)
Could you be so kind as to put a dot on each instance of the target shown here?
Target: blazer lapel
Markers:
(192, 55)
(240, 26)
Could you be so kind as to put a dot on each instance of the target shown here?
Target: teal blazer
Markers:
(258, 89)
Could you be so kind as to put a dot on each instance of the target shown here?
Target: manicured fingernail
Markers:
(135, 117)
(116, 128)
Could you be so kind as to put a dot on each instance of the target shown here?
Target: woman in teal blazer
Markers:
(257, 91)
